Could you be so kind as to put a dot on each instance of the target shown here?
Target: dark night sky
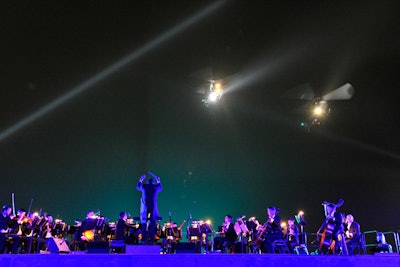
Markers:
(237, 158)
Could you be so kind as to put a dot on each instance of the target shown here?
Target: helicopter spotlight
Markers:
(213, 94)
(320, 109)
(211, 85)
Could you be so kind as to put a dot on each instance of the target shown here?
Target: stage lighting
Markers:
(300, 219)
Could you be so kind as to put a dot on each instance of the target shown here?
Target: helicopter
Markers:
(320, 108)
(209, 87)
(213, 93)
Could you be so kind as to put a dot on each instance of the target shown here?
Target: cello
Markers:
(328, 229)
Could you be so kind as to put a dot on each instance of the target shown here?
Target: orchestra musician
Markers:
(48, 227)
(6, 223)
(353, 233)
(22, 228)
(270, 231)
(381, 245)
(34, 231)
(123, 228)
(47, 230)
(331, 231)
(292, 235)
(148, 207)
(226, 240)
(87, 229)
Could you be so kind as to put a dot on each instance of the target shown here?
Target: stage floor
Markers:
(197, 260)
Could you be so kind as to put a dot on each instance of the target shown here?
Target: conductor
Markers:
(148, 206)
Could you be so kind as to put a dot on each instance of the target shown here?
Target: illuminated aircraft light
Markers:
(213, 96)
(111, 69)
(318, 111)
(218, 87)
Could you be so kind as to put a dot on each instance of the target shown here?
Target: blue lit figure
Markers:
(148, 206)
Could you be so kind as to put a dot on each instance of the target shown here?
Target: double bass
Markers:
(329, 228)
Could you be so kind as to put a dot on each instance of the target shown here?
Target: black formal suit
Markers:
(6, 223)
(355, 234)
(226, 240)
(272, 232)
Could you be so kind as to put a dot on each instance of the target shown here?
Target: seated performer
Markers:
(381, 245)
(270, 231)
(6, 223)
(123, 227)
(21, 227)
(121, 233)
(87, 230)
(226, 241)
(88, 226)
(353, 233)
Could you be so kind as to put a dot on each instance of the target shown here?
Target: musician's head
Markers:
(6, 210)
(331, 207)
(271, 211)
(151, 181)
(49, 218)
(349, 218)
(21, 212)
(290, 221)
(123, 215)
(380, 238)
(228, 218)
(90, 214)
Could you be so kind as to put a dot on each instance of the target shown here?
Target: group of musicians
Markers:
(26, 232)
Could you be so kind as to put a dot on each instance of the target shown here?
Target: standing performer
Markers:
(6, 223)
(292, 235)
(148, 206)
(332, 231)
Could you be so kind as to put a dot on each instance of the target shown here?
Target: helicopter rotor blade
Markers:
(344, 92)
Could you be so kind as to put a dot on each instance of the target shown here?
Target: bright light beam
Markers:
(265, 68)
(111, 69)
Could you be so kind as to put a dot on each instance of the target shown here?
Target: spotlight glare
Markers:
(112, 69)
(213, 96)
(318, 111)
(218, 87)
